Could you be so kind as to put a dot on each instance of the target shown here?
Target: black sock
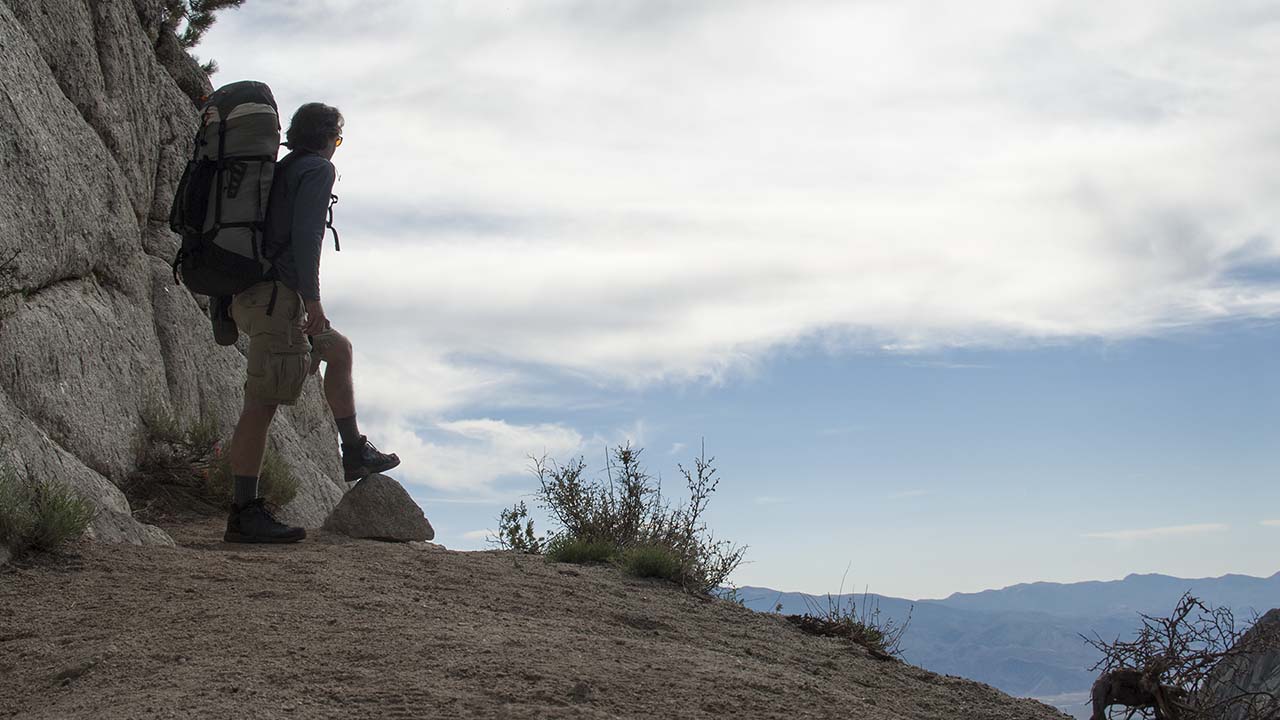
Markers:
(349, 431)
(246, 489)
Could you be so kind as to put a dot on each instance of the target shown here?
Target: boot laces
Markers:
(266, 508)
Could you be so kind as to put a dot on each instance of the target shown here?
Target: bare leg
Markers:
(339, 390)
(249, 441)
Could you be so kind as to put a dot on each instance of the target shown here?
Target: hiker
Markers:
(289, 334)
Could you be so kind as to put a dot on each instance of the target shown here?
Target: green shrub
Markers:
(515, 531)
(16, 517)
(39, 515)
(652, 561)
(568, 549)
(627, 510)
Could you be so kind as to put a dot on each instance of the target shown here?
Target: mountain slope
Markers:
(1025, 639)
(342, 628)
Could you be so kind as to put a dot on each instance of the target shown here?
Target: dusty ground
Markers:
(337, 628)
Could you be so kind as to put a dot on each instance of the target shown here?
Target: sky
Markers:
(956, 296)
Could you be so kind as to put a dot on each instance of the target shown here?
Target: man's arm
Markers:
(311, 206)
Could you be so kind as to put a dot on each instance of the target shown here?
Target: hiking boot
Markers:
(254, 523)
(224, 327)
(363, 459)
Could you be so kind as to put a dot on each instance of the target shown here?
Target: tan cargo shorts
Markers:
(280, 355)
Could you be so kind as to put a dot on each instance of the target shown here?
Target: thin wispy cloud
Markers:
(908, 494)
(1270, 523)
(839, 430)
(1159, 533)
(945, 365)
(479, 534)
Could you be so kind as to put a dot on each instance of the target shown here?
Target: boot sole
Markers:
(231, 537)
(365, 470)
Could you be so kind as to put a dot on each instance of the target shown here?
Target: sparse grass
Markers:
(186, 471)
(864, 626)
(39, 516)
(567, 549)
(652, 561)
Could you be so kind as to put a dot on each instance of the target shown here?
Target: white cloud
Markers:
(469, 455)
(632, 192)
(639, 192)
(1159, 532)
(1270, 523)
(479, 534)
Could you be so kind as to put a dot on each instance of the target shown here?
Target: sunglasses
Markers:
(338, 142)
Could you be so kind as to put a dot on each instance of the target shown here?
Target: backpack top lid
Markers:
(227, 97)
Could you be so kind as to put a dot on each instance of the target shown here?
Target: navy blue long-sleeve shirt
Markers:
(295, 227)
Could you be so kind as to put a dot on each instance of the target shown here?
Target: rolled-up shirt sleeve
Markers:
(311, 207)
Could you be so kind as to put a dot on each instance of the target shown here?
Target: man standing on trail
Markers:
(289, 334)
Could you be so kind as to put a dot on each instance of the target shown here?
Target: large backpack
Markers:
(220, 208)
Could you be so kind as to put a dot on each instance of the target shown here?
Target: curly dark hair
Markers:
(313, 126)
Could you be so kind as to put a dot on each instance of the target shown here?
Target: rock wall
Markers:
(1246, 686)
(94, 133)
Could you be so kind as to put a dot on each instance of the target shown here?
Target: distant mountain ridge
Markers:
(1026, 639)
(1149, 593)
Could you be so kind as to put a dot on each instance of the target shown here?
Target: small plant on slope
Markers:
(515, 531)
(39, 515)
(841, 617)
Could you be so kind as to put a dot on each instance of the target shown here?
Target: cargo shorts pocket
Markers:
(277, 369)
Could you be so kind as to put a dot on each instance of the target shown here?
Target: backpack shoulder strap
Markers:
(281, 166)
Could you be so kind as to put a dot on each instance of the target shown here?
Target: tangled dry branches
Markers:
(1179, 668)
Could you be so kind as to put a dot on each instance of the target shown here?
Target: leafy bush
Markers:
(627, 510)
(39, 515)
(184, 471)
(515, 531)
(652, 561)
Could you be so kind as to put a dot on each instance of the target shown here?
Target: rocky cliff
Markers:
(94, 132)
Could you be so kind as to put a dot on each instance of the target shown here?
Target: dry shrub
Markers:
(186, 471)
(626, 510)
(843, 617)
(1187, 666)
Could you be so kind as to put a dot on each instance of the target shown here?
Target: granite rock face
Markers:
(1247, 685)
(94, 333)
(380, 508)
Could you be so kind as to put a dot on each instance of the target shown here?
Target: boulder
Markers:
(379, 508)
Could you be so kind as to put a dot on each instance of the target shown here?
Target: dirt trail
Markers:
(337, 628)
